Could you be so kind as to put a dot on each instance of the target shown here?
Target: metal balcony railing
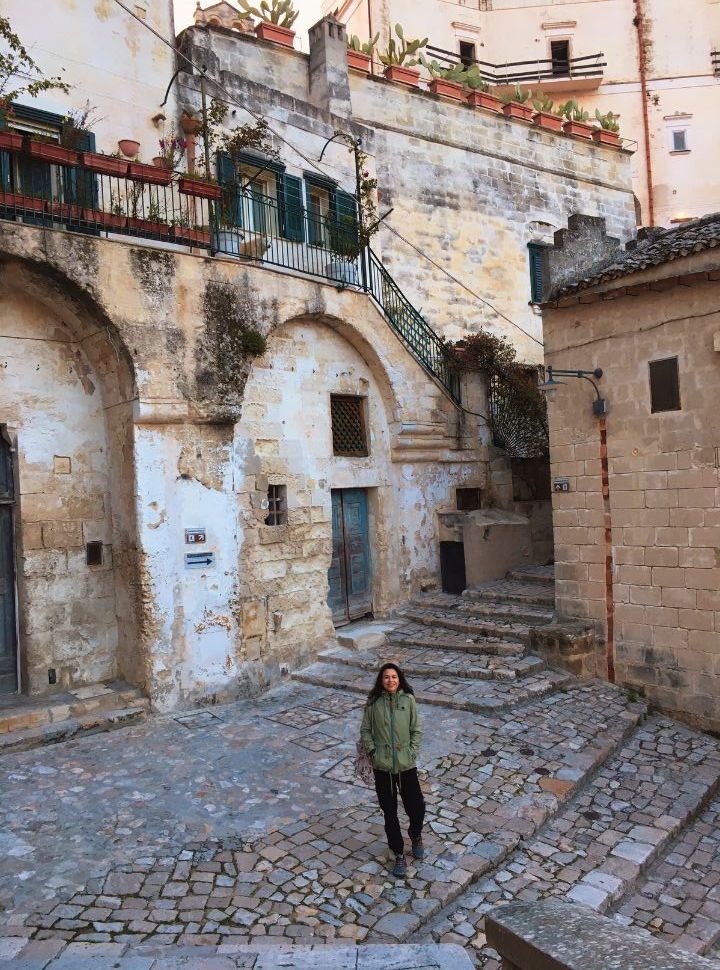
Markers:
(234, 219)
(528, 72)
(715, 60)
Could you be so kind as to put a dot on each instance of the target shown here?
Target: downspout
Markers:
(639, 23)
(607, 530)
(370, 35)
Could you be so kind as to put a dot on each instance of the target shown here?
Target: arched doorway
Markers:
(8, 616)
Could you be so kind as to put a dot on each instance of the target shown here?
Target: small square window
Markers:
(679, 139)
(348, 426)
(93, 553)
(560, 57)
(277, 505)
(467, 53)
(468, 499)
(664, 385)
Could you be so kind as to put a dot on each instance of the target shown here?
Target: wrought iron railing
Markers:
(715, 59)
(528, 72)
(234, 220)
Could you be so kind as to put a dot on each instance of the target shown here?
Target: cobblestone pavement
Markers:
(243, 824)
(430, 661)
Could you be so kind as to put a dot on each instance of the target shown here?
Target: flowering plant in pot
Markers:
(515, 104)
(446, 81)
(479, 95)
(359, 55)
(609, 131)
(151, 218)
(544, 115)
(76, 125)
(276, 18)
(399, 58)
(576, 119)
(160, 172)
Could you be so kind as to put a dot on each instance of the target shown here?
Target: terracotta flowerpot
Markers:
(204, 190)
(189, 124)
(518, 111)
(358, 61)
(578, 128)
(447, 89)
(128, 147)
(149, 226)
(185, 236)
(483, 99)
(602, 137)
(48, 151)
(402, 75)
(544, 119)
(15, 200)
(105, 164)
(107, 219)
(149, 173)
(10, 141)
(66, 211)
(275, 34)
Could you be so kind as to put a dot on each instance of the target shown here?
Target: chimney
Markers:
(329, 85)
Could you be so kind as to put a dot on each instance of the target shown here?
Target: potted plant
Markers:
(160, 172)
(129, 147)
(446, 81)
(18, 201)
(200, 185)
(190, 122)
(182, 233)
(479, 95)
(515, 104)
(359, 55)
(10, 141)
(544, 115)
(104, 164)
(151, 219)
(114, 219)
(75, 126)
(575, 119)
(276, 18)
(398, 66)
(608, 132)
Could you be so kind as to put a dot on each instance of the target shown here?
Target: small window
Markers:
(468, 499)
(277, 505)
(535, 253)
(664, 385)
(560, 57)
(679, 140)
(94, 553)
(467, 53)
(348, 426)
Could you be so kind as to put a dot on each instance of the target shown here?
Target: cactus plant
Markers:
(396, 54)
(573, 112)
(517, 95)
(608, 122)
(543, 102)
(355, 44)
(280, 12)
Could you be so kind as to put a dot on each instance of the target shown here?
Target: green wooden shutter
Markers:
(344, 208)
(293, 222)
(231, 203)
(80, 187)
(5, 176)
(536, 272)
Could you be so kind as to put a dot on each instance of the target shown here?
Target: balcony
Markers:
(106, 196)
(715, 61)
(552, 74)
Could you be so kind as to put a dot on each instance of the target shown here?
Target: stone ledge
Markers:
(553, 935)
(571, 645)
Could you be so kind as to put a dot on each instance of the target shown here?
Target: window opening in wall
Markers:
(277, 505)
(535, 254)
(347, 414)
(560, 57)
(467, 53)
(94, 553)
(468, 499)
(664, 385)
(679, 140)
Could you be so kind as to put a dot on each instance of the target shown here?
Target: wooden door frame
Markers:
(11, 441)
(371, 578)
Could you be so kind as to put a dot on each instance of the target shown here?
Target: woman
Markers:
(391, 734)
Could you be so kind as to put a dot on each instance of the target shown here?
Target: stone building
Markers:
(637, 533)
(216, 440)
(656, 63)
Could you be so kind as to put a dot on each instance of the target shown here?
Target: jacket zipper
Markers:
(392, 735)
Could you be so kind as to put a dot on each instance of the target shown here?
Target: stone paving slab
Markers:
(503, 628)
(430, 661)
(420, 635)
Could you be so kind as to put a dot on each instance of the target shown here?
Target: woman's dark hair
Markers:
(378, 688)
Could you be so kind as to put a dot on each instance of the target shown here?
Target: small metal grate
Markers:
(277, 505)
(348, 426)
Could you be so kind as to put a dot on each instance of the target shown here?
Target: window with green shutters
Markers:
(535, 252)
(293, 212)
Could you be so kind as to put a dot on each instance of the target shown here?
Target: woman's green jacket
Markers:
(391, 732)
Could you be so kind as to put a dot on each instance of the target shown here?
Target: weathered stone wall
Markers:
(664, 482)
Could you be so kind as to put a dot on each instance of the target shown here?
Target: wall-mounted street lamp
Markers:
(550, 386)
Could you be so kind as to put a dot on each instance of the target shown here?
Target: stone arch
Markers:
(68, 405)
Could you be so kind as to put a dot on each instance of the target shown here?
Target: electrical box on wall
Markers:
(561, 485)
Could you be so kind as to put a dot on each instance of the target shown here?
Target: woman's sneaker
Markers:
(418, 849)
(400, 868)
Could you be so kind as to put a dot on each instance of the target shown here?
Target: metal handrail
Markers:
(573, 67)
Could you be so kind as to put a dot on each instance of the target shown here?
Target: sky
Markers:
(309, 14)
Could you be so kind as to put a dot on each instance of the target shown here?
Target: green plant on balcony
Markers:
(355, 44)
(517, 95)
(279, 12)
(402, 53)
(573, 111)
(76, 124)
(456, 74)
(543, 102)
(475, 81)
(608, 121)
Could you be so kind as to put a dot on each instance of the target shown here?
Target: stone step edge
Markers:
(497, 611)
(526, 577)
(487, 648)
(473, 707)
(562, 802)
(425, 670)
(54, 732)
(522, 599)
(521, 633)
(41, 714)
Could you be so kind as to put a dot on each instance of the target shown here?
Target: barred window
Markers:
(348, 426)
(277, 505)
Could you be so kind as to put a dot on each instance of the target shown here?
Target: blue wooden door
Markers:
(350, 574)
(8, 628)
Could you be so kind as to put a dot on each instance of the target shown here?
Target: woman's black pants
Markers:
(407, 783)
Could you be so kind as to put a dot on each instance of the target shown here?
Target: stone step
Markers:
(502, 630)
(543, 575)
(510, 593)
(433, 662)
(419, 635)
(597, 848)
(91, 723)
(21, 713)
(518, 612)
(458, 693)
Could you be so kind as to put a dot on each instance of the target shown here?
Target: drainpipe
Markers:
(370, 35)
(639, 23)
(607, 529)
